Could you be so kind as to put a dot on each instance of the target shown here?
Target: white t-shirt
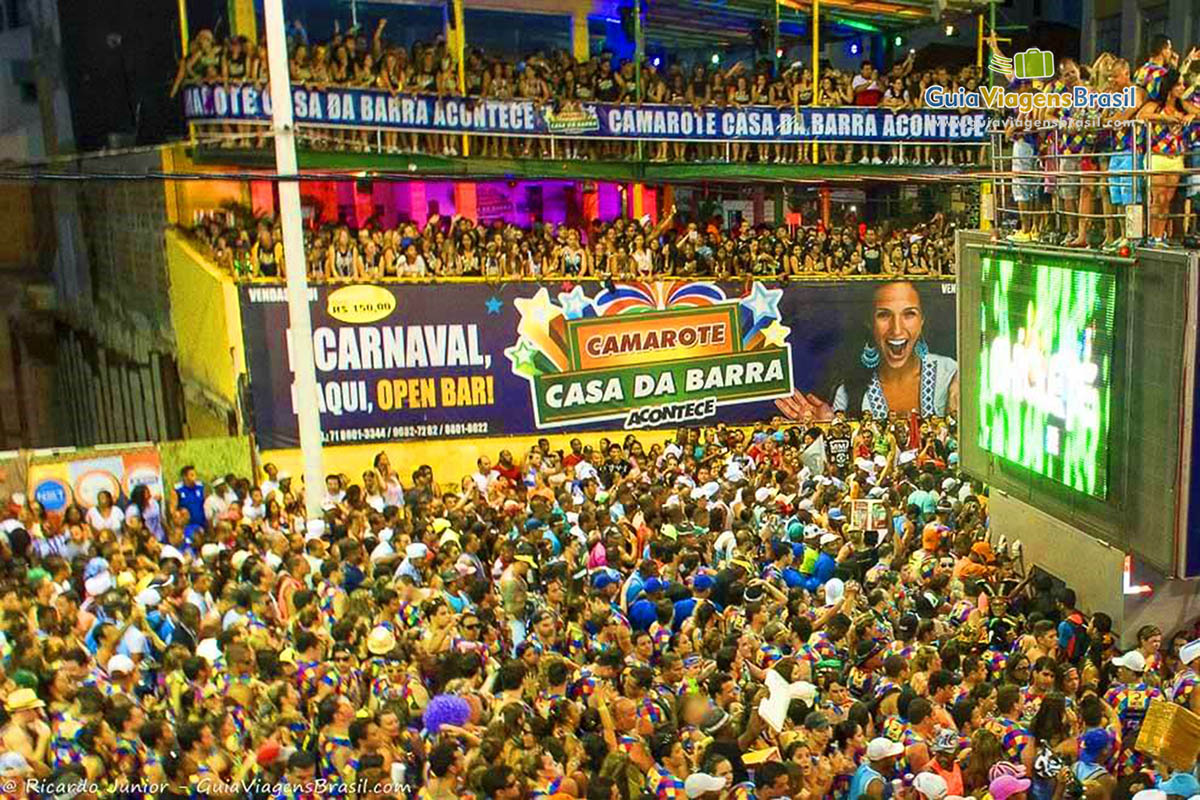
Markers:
(113, 522)
(483, 481)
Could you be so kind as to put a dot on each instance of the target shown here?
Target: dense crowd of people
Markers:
(555, 80)
(621, 248)
(727, 614)
(1062, 159)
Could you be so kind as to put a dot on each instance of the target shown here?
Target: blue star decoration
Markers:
(493, 304)
(574, 303)
(763, 303)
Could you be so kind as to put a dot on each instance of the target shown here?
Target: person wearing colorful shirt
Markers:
(1015, 739)
(1166, 116)
(1183, 688)
(665, 779)
(1149, 76)
(1129, 153)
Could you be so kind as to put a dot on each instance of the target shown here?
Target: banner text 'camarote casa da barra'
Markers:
(406, 361)
(371, 108)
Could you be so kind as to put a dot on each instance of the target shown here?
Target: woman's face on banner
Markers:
(898, 322)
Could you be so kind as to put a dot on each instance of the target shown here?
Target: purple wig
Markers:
(446, 709)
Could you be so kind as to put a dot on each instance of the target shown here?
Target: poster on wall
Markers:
(58, 484)
(416, 361)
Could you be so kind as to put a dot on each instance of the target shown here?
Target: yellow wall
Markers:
(451, 459)
(184, 198)
(206, 319)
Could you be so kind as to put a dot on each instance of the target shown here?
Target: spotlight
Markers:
(898, 41)
(949, 30)
(854, 49)
(656, 61)
(779, 52)
(716, 58)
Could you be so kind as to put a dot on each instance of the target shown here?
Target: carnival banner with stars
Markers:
(400, 361)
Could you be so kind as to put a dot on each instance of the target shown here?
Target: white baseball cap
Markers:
(120, 663)
(1190, 651)
(699, 783)
(314, 529)
(931, 785)
(829, 538)
(882, 747)
(148, 597)
(835, 590)
(1133, 661)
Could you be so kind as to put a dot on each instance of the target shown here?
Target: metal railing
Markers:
(1040, 195)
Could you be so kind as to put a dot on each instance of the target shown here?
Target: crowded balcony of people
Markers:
(619, 249)
(363, 90)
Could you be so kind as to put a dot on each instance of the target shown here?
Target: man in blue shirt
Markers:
(189, 495)
(826, 563)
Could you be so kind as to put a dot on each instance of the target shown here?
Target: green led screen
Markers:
(1046, 367)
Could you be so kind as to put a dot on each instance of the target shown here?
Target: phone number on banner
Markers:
(430, 431)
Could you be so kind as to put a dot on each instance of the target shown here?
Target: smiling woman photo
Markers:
(896, 374)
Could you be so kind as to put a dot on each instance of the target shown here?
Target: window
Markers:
(1108, 34)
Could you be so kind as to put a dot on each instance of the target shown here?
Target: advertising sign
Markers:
(412, 361)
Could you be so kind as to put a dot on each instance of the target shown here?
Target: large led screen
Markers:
(1046, 366)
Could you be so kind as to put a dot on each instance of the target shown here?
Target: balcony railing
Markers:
(380, 121)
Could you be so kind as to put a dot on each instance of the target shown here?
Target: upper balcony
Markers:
(696, 90)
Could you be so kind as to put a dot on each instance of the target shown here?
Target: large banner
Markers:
(380, 109)
(409, 361)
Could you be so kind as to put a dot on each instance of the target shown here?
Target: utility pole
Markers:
(304, 390)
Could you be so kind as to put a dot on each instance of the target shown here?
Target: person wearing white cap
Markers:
(702, 786)
(930, 786)
(413, 564)
(1129, 695)
(868, 780)
(122, 674)
(1183, 688)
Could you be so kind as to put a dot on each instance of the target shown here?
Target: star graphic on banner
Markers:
(762, 302)
(521, 355)
(775, 335)
(537, 311)
(493, 304)
(574, 302)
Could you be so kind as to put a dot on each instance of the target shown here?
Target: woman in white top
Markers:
(643, 259)
(105, 516)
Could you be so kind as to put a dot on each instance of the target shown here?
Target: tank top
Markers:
(343, 262)
(572, 262)
(873, 260)
(863, 777)
(268, 266)
(237, 66)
